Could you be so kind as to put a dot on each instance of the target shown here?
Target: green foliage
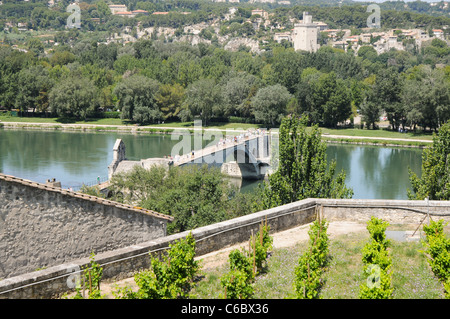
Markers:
(260, 245)
(377, 263)
(380, 287)
(246, 265)
(311, 264)
(318, 241)
(91, 190)
(435, 180)
(203, 98)
(324, 98)
(236, 284)
(74, 97)
(307, 281)
(137, 99)
(437, 250)
(269, 105)
(302, 171)
(92, 276)
(169, 278)
(195, 196)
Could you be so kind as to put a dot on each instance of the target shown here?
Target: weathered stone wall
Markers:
(42, 226)
(123, 262)
(392, 211)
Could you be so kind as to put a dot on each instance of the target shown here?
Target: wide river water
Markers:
(74, 158)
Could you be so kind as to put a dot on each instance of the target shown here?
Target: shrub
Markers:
(260, 245)
(236, 285)
(245, 265)
(437, 249)
(311, 264)
(238, 281)
(307, 281)
(169, 278)
(92, 276)
(377, 263)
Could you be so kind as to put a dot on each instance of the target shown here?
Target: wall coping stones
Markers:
(91, 198)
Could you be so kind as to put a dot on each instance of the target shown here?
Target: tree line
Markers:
(38, 16)
(150, 80)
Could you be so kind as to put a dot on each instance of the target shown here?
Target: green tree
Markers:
(311, 263)
(269, 105)
(324, 97)
(35, 45)
(387, 93)
(302, 171)
(136, 99)
(377, 262)
(237, 94)
(435, 180)
(32, 88)
(203, 98)
(426, 98)
(287, 66)
(75, 97)
(184, 68)
(195, 196)
(170, 99)
(370, 109)
(368, 52)
(337, 107)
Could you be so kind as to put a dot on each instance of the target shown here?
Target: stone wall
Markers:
(392, 211)
(124, 262)
(43, 226)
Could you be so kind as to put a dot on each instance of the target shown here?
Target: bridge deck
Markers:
(189, 158)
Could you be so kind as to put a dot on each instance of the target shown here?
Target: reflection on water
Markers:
(376, 172)
(75, 158)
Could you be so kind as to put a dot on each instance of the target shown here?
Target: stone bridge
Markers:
(246, 156)
(249, 156)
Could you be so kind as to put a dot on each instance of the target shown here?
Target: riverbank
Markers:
(347, 136)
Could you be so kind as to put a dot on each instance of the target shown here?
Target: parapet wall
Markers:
(44, 226)
(123, 262)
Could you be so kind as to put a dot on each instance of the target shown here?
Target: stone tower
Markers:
(305, 34)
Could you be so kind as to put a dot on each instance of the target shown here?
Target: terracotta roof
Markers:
(157, 12)
(83, 196)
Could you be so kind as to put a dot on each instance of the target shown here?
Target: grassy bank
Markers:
(381, 137)
(380, 133)
(412, 277)
(377, 142)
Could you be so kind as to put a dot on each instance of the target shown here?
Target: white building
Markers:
(117, 8)
(438, 33)
(282, 36)
(305, 34)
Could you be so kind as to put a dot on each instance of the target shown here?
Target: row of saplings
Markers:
(173, 274)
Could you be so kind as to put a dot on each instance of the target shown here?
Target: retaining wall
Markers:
(44, 226)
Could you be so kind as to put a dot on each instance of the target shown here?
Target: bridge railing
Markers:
(99, 180)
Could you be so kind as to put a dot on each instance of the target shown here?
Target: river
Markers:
(74, 158)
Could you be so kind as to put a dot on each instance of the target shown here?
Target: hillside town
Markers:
(305, 35)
